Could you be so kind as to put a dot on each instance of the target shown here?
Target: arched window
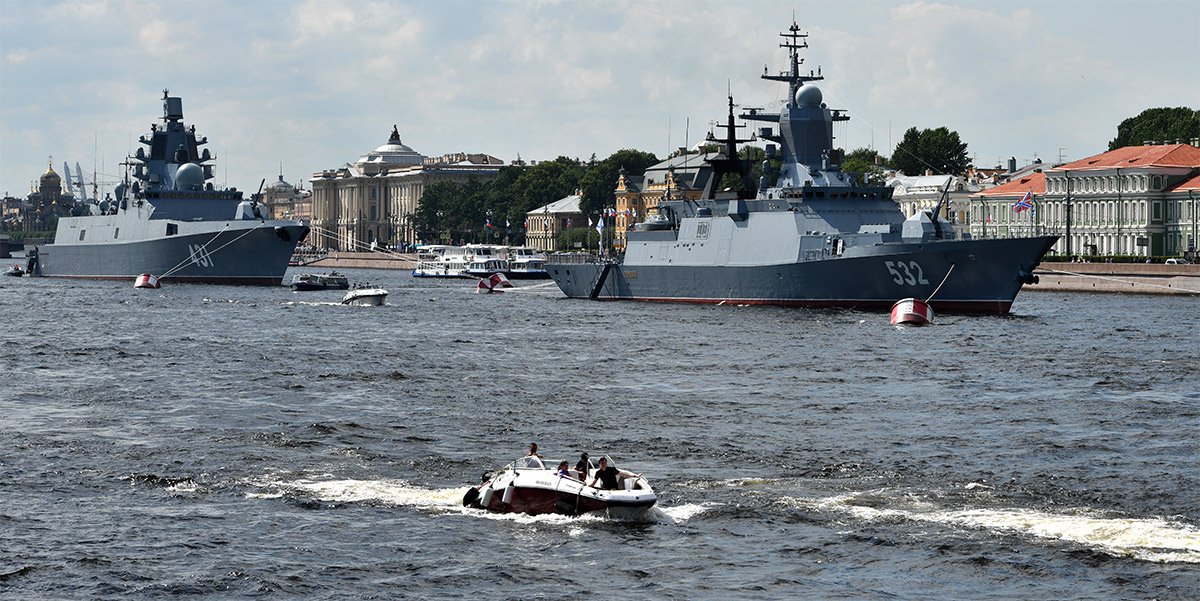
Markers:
(374, 211)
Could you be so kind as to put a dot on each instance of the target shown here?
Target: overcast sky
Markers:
(315, 84)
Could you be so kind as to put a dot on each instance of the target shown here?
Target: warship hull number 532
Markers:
(816, 237)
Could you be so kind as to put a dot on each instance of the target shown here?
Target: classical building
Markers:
(994, 213)
(682, 176)
(545, 223)
(1133, 201)
(285, 201)
(373, 200)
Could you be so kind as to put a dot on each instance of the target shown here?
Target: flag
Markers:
(489, 223)
(1024, 203)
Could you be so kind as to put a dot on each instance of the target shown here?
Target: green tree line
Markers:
(460, 212)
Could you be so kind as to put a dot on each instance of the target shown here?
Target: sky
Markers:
(301, 86)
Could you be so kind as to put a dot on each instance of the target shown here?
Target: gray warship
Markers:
(166, 220)
(816, 237)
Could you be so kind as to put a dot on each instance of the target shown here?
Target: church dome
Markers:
(50, 177)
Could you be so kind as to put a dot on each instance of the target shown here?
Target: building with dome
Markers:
(285, 201)
(373, 200)
(47, 202)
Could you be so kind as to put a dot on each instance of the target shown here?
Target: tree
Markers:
(939, 149)
(1160, 124)
(866, 162)
(599, 183)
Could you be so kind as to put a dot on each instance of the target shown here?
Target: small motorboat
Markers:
(365, 296)
(15, 271)
(319, 281)
(528, 486)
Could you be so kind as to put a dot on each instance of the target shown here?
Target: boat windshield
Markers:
(529, 463)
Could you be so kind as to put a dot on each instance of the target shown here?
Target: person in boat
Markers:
(606, 475)
(563, 472)
(533, 451)
(582, 466)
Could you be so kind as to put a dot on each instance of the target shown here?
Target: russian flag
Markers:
(489, 223)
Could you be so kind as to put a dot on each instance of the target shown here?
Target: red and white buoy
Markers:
(493, 283)
(145, 281)
(911, 311)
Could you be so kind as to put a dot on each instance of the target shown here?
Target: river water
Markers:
(227, 442)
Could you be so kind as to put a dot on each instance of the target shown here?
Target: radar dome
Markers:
(189, 176)
(808, 96)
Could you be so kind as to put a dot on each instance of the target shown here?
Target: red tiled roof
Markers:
(1034, 182)
(1190, 184)
(1173, 155)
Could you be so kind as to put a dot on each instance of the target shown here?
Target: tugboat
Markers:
(815, 237)
(169, 221)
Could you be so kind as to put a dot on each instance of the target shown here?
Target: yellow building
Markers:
(682, 176)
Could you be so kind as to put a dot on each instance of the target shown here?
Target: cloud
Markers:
(17, 56)
(323, 18)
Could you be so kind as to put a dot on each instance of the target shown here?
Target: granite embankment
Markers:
(1134, 278)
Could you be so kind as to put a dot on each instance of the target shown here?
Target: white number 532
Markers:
(906, 273)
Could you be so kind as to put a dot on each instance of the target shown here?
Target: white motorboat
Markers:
(528, 486)
(367, 297)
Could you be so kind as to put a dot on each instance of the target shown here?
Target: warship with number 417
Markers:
(166, 220)
(815, 237)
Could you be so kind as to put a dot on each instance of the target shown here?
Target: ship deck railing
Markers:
(577, 258)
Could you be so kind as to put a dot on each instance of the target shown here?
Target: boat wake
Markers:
(442, 501)
(1146, 539)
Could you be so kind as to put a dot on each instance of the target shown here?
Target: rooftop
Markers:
(1171, 155)
(1034, 182)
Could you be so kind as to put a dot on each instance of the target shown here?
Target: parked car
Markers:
(1178, 262)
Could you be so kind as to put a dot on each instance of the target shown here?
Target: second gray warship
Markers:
(816, 237)
(168, 222)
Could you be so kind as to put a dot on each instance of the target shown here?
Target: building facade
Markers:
(682, 176)
(1135, 201)
(545, 223)
(373, 200)
(285, 201)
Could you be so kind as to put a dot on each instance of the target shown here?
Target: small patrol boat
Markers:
(528, 486)
(15, 271)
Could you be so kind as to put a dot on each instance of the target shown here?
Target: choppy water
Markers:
(225, 442)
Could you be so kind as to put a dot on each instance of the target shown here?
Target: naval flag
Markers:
(1024, 203)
